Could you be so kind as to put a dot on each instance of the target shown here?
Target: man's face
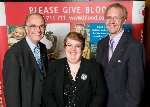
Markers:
(35, 27)
(114, 20)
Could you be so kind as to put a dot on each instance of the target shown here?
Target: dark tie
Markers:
(37, 56)
(111, 48)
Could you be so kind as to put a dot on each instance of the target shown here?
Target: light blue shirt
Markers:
(32, 46)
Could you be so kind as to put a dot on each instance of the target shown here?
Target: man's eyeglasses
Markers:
(73, 46)
(35, 26)
(114, 18)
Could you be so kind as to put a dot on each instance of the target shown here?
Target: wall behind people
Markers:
(86, 18)
(3, 48)
(62, 19)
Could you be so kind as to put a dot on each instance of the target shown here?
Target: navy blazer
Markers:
(124, 73)
(22, 78)
(92, 91)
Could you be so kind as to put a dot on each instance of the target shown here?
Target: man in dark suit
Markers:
(23, 72)
(122, 59)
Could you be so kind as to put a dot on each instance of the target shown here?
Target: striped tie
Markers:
(38, 57)
(111, 48)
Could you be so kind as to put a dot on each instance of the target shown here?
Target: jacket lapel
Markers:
(106, 51)
(44, 58)
(30, 54)
(82, 76)
(120, 49)
(60, 80)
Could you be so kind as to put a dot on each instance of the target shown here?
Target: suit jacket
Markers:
(124, 72)
(22, 78)
(92, 91)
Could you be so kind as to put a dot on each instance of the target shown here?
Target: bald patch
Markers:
(34, 15)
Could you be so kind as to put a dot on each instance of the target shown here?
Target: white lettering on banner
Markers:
(50, 17)
(67, 10)
(97, 10)
(71, 10)
(44, 10)
(61, 17)
(56, 13)
(86, 17)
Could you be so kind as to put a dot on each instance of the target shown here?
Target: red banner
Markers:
(61, 12)
(3, 48)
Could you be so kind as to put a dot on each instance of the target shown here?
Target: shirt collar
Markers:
(117, 37)
(31, 45)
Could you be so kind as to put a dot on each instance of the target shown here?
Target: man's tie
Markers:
(111, 48)
(38, 56)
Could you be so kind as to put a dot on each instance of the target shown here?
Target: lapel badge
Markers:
(83, 76)
(119, 61)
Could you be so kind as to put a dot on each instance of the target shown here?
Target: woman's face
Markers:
(19, 33)
(73, 50)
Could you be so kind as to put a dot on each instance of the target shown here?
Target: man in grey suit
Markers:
(23, 71)
(122, 59)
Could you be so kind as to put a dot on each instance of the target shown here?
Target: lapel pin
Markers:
(119, 61)
(83, 76)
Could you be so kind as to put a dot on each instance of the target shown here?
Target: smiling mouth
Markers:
(72, 53)
(38, 34)
(112, 26)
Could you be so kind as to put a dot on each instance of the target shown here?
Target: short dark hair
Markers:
(117, 5)
(75, 36)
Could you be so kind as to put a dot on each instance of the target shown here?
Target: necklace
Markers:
(73, 74)
(73, 69)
